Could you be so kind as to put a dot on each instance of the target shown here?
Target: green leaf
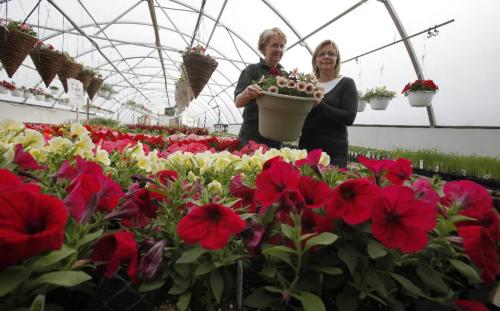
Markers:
(432, 279)
(38, 303)
(11, 278)
(183, 270)
(146, 287)
(183, 302)
(216, 284)
(62, 278)
(176, 290)
(466, 270)
(190, 255)
(311, 302)
(53, 257)
(327, 270)
(375, 249)
(347, 300)
(269, 270)
(325, 238)
(459, 218)
(284, 257)
(278, 249)
(203, 268)
(288, 231)
(89, 238)
(259, 299)
(408, 285)
(349, 257)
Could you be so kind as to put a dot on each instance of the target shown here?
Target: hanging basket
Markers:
(183, 94)
(379, 103)
(69, 69)
(86, 78)
(94, 86)
(48, 63)
(199, 69)
(281, 117)
(361, 105)
(420, 98)
(15, 45)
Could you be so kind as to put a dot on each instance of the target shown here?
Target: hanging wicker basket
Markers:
(69, 69)
(15, 45)
(47, 62)
(86, 78)
(199, 69)
(94, 86)
(183, 94)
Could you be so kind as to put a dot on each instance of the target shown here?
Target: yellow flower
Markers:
(214, 187)
(33, 139)
(38, 154)
(77, 129)
(7, 151)
(102, 156)
(11, 125)
(59, 144)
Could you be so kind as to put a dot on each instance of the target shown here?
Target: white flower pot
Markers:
(103, 94)
(420, 98)
(48, 98)
(362, 105)
(379, 103)
(3, 90)
(17, 93)
(27, 94)
(39, 97)
(53, 91)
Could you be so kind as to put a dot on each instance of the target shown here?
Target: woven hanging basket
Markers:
(86, 78)
(48, 63)
(183, 95)
(94, 86)
(69, 69)
(15, 45)
(199, 69)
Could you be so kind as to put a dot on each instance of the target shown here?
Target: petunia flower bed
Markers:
(276, 228)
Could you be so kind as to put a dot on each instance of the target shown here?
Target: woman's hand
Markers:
(251, 92)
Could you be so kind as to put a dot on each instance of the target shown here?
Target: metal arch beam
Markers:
(158, 44)
(277, 12)
(92, 41)
(221, 24)
(328, 23)
(411, 52)
(200, 14)
(216, 23)
(118, 17)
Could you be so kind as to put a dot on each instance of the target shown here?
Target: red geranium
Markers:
(115, 249)
(420, 85)
(403, 221)
(31, 224)
(211, 225)
(353, 201)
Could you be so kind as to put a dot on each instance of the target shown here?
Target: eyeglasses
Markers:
(327, 53)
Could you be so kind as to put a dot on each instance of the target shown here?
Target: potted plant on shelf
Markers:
(6, 86)
(199, 68)
(362, 101)
(285, 103)
(27, 92)
(379, 97)
(53, 89)
(48, 61)
(69, 69)
(16, 41)
(420, 92)
(16, 92)
(39, 94)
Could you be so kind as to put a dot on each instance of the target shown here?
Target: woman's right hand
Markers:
(252, 91)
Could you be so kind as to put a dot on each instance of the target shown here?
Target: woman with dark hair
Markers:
(326, 125)
(271, 45)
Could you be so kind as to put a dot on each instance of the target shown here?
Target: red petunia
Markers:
(377, 167)
(424, 191)
(314, 192)
(353, 201)
(9, 181)
(31, 224)
(471, 198)
(116, 249)
(403, 221)
(275, 182)
(470, 305)
(480, 246)
(211, 225)
(242, 191)
(399, 172)
(25, 160)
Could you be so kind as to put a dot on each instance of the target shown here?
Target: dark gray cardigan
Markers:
(326, 125)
